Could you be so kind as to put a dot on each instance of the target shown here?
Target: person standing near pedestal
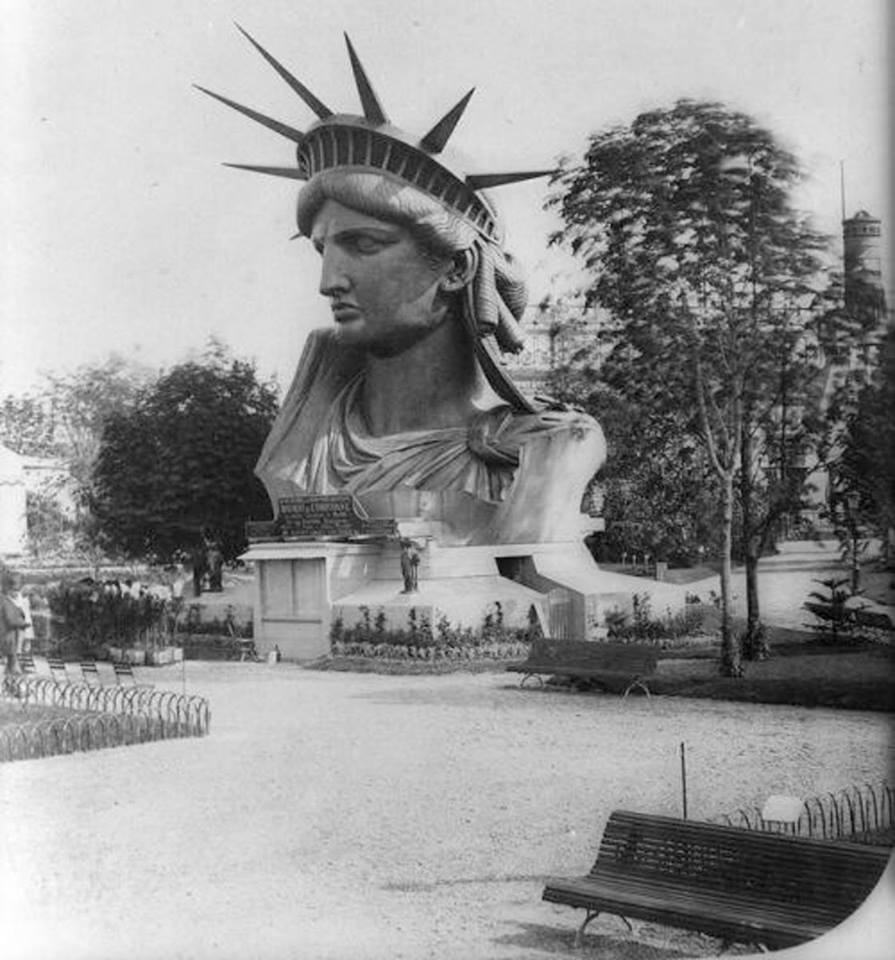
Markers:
(410, 564)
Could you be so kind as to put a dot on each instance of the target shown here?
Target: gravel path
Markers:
(335, 815)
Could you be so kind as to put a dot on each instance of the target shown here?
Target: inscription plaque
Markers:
(322, 516)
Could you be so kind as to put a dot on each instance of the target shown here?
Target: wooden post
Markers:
(684, 777)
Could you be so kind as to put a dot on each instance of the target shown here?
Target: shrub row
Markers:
(392, 651)
(643, 627)
(372, 637)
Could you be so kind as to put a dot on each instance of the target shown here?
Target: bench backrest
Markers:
(57, 667)
(830, 876)
(90, 672)
(26, 662)
(599, 654)
(123, 672)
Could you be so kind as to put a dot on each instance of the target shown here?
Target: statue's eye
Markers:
(363, 243)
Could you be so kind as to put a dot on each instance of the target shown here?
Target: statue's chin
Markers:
(382, 346)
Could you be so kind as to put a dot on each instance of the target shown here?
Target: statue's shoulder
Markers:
(497, 435)
(324, 370)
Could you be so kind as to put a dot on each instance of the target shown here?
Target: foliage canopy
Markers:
(711, 281)
(179, 463)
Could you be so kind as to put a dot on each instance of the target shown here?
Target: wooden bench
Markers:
(585, 660)
(747, 886)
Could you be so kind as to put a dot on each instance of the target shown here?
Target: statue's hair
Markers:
(496, 295)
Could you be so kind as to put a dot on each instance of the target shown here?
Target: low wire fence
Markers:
(862, 813)
(103, 716)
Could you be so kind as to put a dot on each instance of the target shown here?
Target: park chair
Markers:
(26, 662)
(124, 675)
(19, 685)
(90, 673)
(57, 670)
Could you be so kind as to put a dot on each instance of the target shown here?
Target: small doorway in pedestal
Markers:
(294, 607)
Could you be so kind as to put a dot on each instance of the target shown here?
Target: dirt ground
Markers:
(338, 815)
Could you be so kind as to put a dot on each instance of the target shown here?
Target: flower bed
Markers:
(371, 638)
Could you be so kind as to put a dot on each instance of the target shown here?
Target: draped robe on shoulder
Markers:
(503, 477)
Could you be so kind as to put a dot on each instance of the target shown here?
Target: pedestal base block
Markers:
(303, 587)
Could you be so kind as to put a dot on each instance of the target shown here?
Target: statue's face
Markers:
(386, 291)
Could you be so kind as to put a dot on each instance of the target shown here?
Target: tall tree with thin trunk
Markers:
(684, 221)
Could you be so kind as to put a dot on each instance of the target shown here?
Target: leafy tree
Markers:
(683, 219)
(81, 403)
(63, 420)
(48, 524)
(658, 489)
(27, 426)
(180, 462)
(862, 444)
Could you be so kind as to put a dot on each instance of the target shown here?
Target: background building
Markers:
(553, 334)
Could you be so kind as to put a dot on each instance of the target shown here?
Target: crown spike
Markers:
(483, 181)
(316, 105)
(293, 173)
(290, 133)
(436, 139)
(369, 101)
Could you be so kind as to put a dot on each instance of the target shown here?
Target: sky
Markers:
(123, 232)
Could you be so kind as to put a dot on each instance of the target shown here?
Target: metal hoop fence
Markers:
(856, 813)
(107, 717)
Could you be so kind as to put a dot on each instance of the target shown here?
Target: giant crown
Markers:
(372, 142)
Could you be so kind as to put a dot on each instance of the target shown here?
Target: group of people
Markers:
(208, 567)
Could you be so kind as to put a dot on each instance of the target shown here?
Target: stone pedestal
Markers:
(302, 587)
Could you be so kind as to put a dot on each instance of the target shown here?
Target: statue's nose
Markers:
(333, 275)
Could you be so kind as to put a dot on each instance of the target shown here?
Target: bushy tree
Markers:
(27, 426)
(81, 402)
(684, 222)
(861, 456)
(49, 526)
(180, 463)
(659, 492)
(63, 420)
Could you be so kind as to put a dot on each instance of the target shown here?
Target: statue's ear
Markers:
(464, 264)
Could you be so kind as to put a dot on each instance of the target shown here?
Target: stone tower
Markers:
(862, 246)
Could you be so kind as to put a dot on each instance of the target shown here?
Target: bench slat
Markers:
(734, 918)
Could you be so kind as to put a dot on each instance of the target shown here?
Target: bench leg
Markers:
(727, 944)
(591, 915)
(637, 682)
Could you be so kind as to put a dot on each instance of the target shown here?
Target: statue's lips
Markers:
(342, 313)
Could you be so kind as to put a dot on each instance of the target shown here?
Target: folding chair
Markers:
(20, 685)
(90, 673)
(68, 689)
(124, 674)
(57, 670)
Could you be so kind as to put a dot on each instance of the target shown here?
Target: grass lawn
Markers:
(801, 671)
(12, 714)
